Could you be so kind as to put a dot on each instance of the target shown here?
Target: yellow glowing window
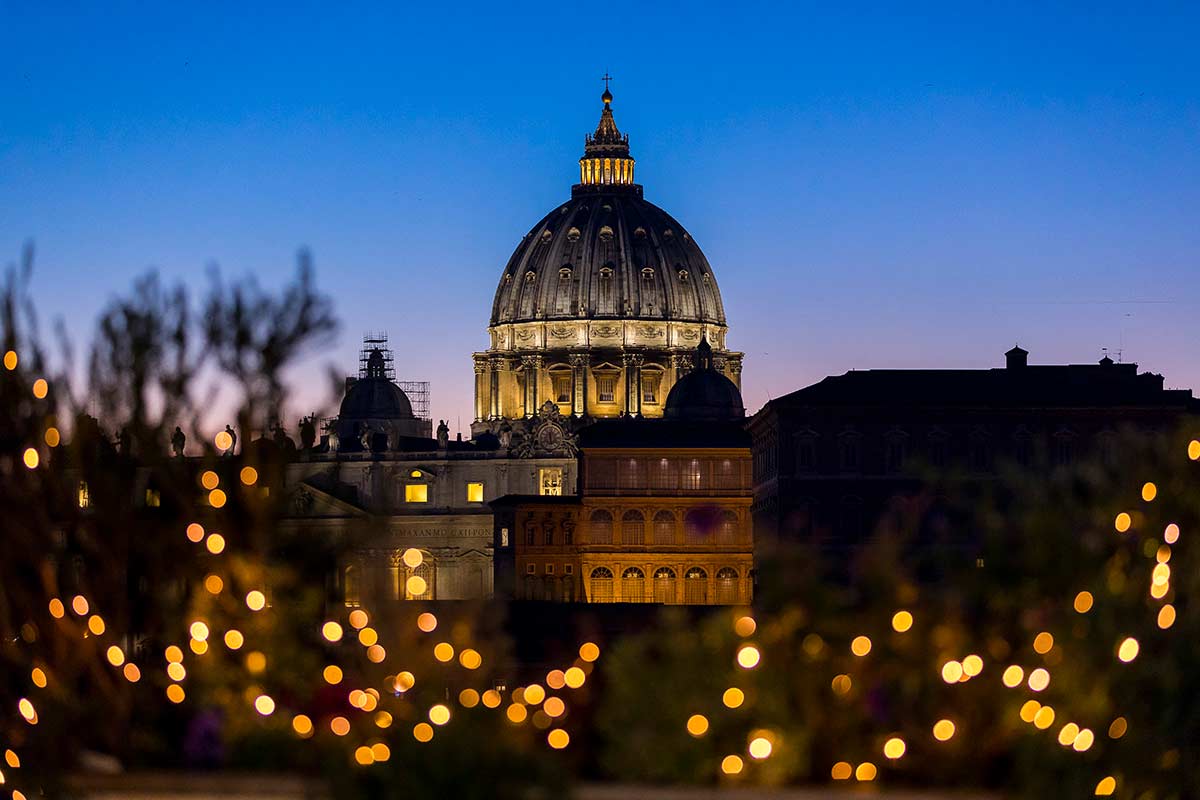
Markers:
(550, 480)
(416, 493)
(474, 492)
(85, 500)
(153, 498)
(416, 473)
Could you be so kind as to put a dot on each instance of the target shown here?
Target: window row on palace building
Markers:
(646, 583)
(648, 474)
(633, 527)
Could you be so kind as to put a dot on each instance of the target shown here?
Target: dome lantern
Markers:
(606, 161)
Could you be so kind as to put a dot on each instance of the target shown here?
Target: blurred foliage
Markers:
(982, 567)
(983, 573)
(122, 545)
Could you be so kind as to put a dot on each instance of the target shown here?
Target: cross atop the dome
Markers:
(606, 79)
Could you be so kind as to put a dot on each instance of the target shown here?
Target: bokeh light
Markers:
(1128, 649)
(748, 656)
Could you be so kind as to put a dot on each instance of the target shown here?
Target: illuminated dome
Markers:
(607, 252)
(601, 306)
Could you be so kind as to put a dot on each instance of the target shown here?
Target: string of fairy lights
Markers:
(544, 705)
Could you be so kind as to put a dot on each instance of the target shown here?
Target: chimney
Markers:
(1016, 358)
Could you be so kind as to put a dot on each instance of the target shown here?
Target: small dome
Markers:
(704, 394)
(375, 398)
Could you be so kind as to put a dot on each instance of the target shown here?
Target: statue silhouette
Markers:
(178, 440)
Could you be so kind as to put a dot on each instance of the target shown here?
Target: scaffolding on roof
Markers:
(372, 341)
(417, 391)
(418, 396)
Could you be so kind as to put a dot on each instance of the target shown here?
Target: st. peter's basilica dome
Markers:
(602, 303)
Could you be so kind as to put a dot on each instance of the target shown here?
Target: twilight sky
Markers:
(872, 190)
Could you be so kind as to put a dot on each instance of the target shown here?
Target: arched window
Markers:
(727, 528)
(633, 528)
(601, 527)
(695, 587)
(418, 582)
(351, 588)
(664, 528)
(727, 586)
(633, 586)
(693, 475)
(601, 588)
(695, 527)
(664, 585)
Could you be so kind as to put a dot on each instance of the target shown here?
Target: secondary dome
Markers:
(375, 396)
(607, 252)
(704, 394)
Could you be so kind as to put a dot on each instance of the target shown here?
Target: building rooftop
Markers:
(1018, 384)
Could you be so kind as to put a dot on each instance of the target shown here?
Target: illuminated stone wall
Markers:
(435, 502)
(651, 525)
(595, 368)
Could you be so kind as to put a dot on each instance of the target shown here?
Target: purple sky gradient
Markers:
(872, 191)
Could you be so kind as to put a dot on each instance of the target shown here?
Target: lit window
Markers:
(562, 388)
(550, 481)
(606, 388)
(649, 388)
(153, 498)
(85, 500)
(416, 493)
(474, 493)
(416, 473)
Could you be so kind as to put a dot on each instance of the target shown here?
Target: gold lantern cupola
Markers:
(606, 163)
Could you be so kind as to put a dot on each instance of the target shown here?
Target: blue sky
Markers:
(874, 186)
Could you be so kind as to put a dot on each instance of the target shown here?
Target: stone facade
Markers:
(664, 521)
(434, 501)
